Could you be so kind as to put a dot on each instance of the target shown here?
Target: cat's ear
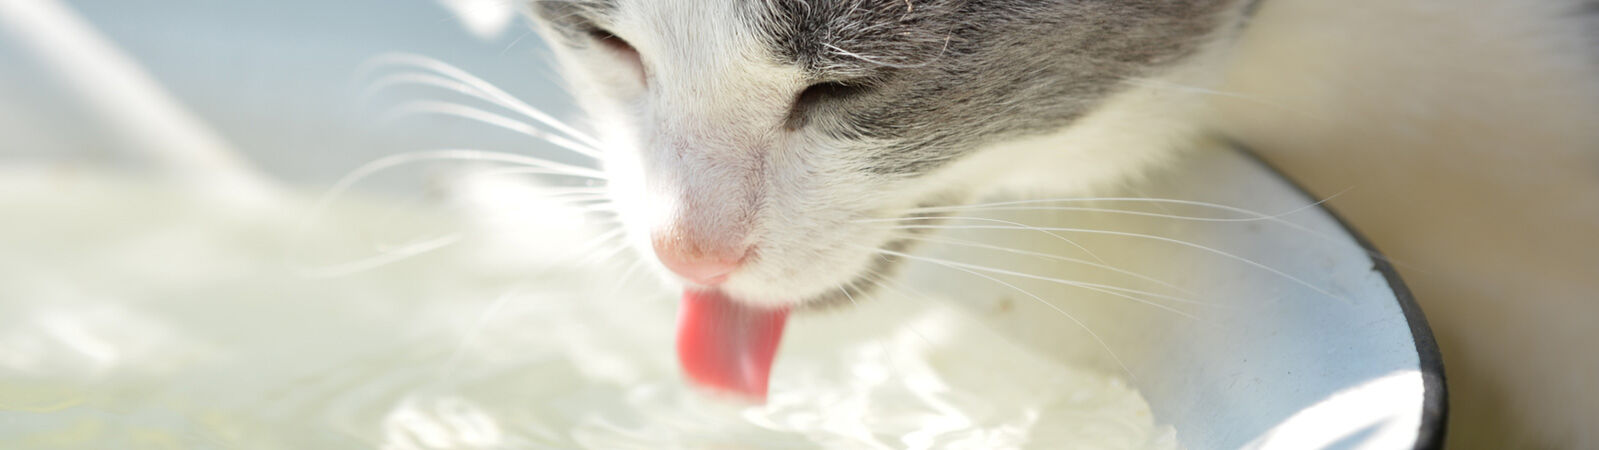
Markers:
(620, 48)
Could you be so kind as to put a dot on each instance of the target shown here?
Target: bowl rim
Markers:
(1435, 391)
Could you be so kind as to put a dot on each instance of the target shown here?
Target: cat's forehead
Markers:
(856, 35)
(823, 35)
(853, 37)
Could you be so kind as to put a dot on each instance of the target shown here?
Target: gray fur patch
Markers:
(936, 78)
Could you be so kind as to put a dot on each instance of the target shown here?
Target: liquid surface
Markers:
(133, 316)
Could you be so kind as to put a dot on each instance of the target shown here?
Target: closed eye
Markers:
(819, 94)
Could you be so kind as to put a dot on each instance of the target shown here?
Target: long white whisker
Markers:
(499, 171)
(627, 277)
(389, 257)
(845, 291)
(360, 173)
(591, 247)
(386, 162)
(604, 257)
(482, 321)
(1160, 84)
(585, 202)
(1063, 312)
(882, 280)
(1141, 236)
(552, 192)
(491, 173)
(504, 99)
(578, 198)
(1130, 212)
(967, 243)
(587, 206)
(1131, 200)
(985, 219)
(586, 193)
(418, 107)
(425, 79)
(1253, 215)
(1096, 287)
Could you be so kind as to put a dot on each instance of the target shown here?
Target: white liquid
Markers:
(140, 317)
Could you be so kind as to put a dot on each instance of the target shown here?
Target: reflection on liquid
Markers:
(182, 326)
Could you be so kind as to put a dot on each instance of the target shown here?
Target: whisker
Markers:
(1161, 84)
(588, 203)
(450, 365)
(576, 199)
(344, 183)
(1143, 236)
(1063, 312)
(518, 40)
(599, 207)
(591, 247)
(604, 257)
(1234, 209)
(418, 107)
(495, 94)
(1132, 212)
(627, 277)
(518, 170)
(491, 173)
(1096, 287)
(1160, 206)
(385, 258)
(1253, 215)
(968, 243)
(387, 162)
(588, 194)
(1020, 205)
(845, 291)
(881, 280)
(598, 224)
(582, 193)
(985, 219)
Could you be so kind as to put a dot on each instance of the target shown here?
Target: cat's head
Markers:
(746, 141)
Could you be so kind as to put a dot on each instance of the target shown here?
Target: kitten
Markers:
(747, 140)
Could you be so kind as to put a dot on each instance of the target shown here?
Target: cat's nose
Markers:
(701, 261)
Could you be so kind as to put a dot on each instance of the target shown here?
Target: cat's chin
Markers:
(848, 291)
(865, 274)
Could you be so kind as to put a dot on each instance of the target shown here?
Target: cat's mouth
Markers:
(868, 281)
(728, 345)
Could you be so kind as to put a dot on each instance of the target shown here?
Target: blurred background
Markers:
(276, 82)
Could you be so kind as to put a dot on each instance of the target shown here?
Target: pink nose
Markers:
(699, 262)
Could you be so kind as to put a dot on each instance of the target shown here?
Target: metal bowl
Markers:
(1307, 339)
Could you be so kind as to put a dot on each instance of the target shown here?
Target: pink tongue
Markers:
(726, 345)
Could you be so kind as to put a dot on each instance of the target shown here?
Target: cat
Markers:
(747, 140)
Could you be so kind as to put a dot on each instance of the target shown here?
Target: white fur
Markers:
(1468, 129)
(708, 129)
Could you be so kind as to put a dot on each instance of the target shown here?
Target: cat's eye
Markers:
(818, 94)
(610, 42)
